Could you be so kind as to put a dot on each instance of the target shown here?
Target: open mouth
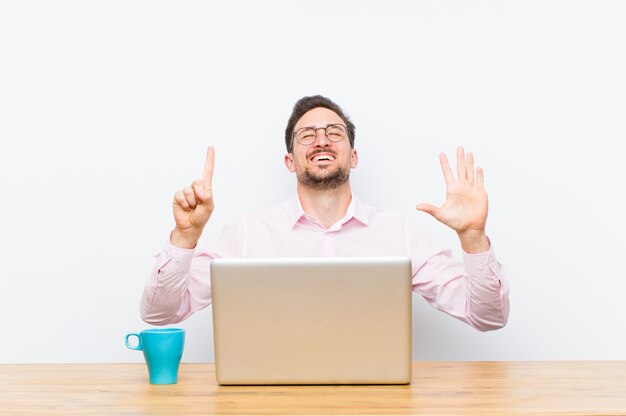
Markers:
(322, 157)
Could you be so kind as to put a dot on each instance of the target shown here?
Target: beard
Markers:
(326, 181)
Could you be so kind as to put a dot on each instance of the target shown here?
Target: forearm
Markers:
(487, 292)
(178, 285)
(474, 290)
(474, 241)
(184, 239)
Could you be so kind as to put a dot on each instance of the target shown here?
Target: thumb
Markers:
(428, 208)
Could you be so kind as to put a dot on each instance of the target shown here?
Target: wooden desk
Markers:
(482, 388)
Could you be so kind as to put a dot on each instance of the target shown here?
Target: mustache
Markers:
(318, 151)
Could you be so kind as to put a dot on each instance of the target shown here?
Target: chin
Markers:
(332, 179)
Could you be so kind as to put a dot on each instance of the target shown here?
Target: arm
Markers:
(179, 283)
(476, 290)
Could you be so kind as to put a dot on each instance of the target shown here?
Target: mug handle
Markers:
(139, 345)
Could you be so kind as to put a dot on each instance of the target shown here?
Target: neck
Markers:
(328, 206)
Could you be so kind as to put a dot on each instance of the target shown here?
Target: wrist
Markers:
(474, 241)
(184, 239)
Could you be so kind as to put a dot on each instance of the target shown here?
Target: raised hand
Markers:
(193, 206)
(466, 205)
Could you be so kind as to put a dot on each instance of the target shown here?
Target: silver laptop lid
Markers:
(312, 320)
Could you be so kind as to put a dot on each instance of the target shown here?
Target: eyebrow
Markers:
(321, 127)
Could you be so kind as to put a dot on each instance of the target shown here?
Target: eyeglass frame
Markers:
(315, 129)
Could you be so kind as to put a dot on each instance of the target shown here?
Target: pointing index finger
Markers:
(207, 174)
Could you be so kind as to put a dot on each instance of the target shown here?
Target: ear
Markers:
(291, 167)
(354, 159)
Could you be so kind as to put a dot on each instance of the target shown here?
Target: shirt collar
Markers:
(356, 209)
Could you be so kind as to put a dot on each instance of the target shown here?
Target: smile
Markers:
(322, 157)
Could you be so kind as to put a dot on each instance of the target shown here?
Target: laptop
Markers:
(312, 320)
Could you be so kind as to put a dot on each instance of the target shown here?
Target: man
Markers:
(326, 219)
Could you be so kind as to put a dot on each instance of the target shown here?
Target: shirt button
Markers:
(481, 268)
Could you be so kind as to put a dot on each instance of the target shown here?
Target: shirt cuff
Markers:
(176, 259)
(481, 264)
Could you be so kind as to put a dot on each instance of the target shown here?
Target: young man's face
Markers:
(324, 164)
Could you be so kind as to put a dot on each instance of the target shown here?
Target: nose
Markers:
(320, 138)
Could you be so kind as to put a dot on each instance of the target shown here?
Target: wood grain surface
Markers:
(438, 388)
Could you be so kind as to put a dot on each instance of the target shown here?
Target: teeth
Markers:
(322, 157)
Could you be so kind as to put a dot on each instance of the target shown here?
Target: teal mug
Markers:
(162, 349)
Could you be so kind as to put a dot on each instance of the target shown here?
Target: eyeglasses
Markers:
(334, 132)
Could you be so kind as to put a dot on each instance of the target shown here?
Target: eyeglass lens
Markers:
(334, 133)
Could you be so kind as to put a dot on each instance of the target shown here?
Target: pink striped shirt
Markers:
(474, 290)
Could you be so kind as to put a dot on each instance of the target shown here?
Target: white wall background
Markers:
(106, 108)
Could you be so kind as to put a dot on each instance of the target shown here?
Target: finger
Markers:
(470, 167)
(190, 197)
(199, 192)
(428, 208)
(179, 198)
(445, 168)
(461, 170)
(207, 174)
(480, 176)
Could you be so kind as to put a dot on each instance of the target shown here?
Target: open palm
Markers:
(466, 205)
